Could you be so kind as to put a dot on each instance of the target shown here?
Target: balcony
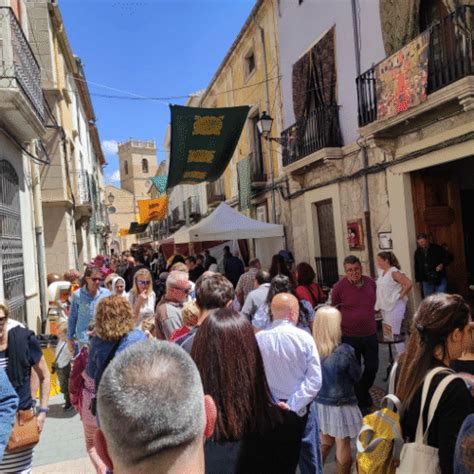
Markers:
(21, 96)
(215, 192)
(83, 195)
(450, 58)
(318, 131)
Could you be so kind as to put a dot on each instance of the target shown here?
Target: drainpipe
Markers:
(363, 146)
(267, 103)
(40, 245)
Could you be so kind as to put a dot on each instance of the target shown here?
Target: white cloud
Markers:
(110, 147)
(114, 178)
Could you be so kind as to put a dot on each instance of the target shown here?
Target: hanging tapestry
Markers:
(203, 142)
(152, 209)
(400, 23)
(136, 228)
(244, 172)
(314, 91)
(402, 79)
(160, 183)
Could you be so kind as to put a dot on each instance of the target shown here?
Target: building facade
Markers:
(71, 197)
(22, 124)
(360, 182)
(250, 75)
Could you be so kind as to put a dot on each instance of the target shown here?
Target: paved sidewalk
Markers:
(62, 440)
(62, 448)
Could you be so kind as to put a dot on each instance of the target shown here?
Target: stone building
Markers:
(360, 182)
(137, 162)
(243, 78)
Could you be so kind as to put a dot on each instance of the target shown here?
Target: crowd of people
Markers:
(190, 365)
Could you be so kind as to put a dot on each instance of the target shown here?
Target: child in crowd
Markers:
(190, 315)
(339, 416)
(148, 326)
(62, 364)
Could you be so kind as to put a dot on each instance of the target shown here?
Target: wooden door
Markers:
(437, 205)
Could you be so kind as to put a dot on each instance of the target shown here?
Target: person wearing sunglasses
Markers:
(142, 298)
(83, 304)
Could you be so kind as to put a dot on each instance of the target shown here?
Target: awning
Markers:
(225, 223)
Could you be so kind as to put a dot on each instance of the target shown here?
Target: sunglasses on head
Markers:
(143, 282)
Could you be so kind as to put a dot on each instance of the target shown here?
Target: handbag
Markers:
(25, 432)
(419, 456)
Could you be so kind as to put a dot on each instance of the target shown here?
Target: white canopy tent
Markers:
(225, 223)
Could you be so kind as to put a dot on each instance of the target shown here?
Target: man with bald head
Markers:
(293, 371)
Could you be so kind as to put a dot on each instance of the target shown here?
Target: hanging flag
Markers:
(203, 142)
(152, 209)
(160, 183)
(136, 228)
(402, 79)
(123, 232)
(244, 172)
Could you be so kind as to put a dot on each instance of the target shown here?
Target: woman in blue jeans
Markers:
(8, 408)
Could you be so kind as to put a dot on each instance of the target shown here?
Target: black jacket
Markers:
(426, 263)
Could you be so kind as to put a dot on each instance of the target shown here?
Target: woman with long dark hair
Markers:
(252, 434)
(279, 267)
(307, 289)
(440, 332)
(282, 284)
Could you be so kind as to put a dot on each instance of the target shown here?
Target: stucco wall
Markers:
(300, 25)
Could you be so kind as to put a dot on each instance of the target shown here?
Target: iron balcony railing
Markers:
(327, 271)
(317, 131)
(83, 187)
(450, 58)
(18, 65)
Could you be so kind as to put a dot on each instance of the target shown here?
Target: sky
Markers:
(147, 48)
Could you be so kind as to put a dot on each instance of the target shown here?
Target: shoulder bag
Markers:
(419, 456)
(25, 432)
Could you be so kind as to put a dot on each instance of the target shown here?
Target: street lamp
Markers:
(111, 198)
(264, 125)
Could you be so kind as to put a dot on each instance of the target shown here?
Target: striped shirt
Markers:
(18, 462)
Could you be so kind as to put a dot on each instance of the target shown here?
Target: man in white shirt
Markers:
(293, 371)
(258, 296)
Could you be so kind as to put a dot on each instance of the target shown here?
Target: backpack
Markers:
(380, 441)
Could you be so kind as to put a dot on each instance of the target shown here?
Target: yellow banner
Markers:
(123, 232)
(153, 209)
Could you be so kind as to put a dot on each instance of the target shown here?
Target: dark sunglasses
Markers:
(96, 279)
(143, 282)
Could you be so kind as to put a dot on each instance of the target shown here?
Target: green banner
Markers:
(203, 142)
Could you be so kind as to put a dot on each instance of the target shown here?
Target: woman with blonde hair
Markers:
(393, 287)
(339, 416)
(142, 298)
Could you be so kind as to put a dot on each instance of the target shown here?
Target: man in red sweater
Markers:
(355, 296)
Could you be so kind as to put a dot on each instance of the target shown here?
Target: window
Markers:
(125, 167)
(249, 63)
(256, 149)
(145, 166)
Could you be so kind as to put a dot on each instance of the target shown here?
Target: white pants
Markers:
(395, 319)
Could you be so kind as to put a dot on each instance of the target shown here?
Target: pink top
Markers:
(88, 393)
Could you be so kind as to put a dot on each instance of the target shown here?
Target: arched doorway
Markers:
(11, 249)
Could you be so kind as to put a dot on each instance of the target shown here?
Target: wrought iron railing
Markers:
(18, 65)
(450, 58)
(83, 187)
(327, 271)
(317, 131)
(215, 191)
